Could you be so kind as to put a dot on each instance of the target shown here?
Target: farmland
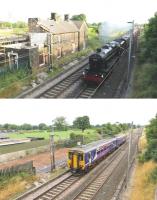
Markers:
(45, 134)
(90, 134)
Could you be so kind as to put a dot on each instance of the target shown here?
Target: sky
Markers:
(113, 11)
(99, 111)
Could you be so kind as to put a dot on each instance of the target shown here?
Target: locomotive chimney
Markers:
(66, 17)
(53, 16)
(98, 50)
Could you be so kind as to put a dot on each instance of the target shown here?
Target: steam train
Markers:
(81, 159)
(99, 66)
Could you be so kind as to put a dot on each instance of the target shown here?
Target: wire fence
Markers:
(25, 167)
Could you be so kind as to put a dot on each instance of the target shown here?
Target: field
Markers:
(13, 31)
(24, 146)
(45, 134)
(90, 134)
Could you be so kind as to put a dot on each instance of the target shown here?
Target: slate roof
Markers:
(57, 27)
(78, 23)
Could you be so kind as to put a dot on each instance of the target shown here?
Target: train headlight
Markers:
(102, 76)
(83, 73)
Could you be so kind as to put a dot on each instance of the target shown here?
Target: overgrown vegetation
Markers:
(93, 38)
(12, 82)
(146, 67)
(14, 185)
(145, 177)
(17, 28)
(150, 150)
(151, 134)
(143, 187)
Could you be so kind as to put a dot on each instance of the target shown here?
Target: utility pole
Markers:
(52, 150)
(129, 154)
(130, 51)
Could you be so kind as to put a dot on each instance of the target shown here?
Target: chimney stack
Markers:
(54, 16)
(66, 17)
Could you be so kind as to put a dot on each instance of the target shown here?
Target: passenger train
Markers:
(81, 159)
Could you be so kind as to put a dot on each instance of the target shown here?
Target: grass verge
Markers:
(11, 186)
(143, 187)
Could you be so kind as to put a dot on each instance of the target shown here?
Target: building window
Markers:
(59, 52)
(73, 48)
(59, 39)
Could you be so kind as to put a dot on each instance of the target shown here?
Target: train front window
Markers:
(80, 157)
(70, 155)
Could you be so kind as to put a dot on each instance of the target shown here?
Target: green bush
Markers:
(145, 81)
(141, 158)
(153, 176)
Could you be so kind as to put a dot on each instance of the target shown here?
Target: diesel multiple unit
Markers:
(80, 159)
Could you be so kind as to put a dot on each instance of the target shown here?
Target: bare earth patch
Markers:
(39, 160)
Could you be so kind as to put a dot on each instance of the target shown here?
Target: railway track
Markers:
(104, 185)
(58, 189)
(56, 90)
(59, 83)
(93, 187)
(52, 189)
(88, 91)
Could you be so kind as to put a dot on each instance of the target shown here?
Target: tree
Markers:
(60, 123)
(80, 17)
(26, 127)
(42, 126)
(82, 123)
(150, 40)
(151, 134)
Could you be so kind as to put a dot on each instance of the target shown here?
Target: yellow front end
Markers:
(76, 161)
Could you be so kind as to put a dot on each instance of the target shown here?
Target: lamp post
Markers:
(130, 50)
(52, 150)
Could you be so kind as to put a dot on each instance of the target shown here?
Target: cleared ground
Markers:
(39, 160)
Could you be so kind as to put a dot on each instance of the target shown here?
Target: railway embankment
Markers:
(141, 184)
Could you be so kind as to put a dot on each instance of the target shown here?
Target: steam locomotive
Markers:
(81, 159)
(99, 66)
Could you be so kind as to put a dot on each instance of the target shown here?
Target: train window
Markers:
(80, 157)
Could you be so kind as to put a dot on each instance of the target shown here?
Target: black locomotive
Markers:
(99, 62)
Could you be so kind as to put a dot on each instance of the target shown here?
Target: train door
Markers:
(89, 158)
(74, 160)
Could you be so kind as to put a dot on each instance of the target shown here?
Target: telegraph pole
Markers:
(52, 150)
(130, 51)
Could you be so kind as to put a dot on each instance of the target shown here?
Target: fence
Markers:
(26, 167)
(14, 64)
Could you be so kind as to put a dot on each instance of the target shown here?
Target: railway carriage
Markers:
(80, 159)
